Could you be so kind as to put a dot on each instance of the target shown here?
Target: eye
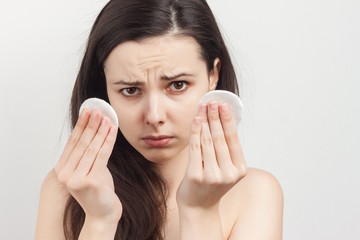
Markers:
(131, 91)
(178, 86)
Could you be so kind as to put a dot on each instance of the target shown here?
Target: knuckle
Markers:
(62, 177)
(72, 185)
(232, 177)
(91, 151)
(73, 139)
(195, 179)
(194, 145)
(102, 154)
(75, 184)
(206, 140)
(213, 116)
(218, 139)
(232, 137)
(195, 129)
(82, 145)
(93, 183)
(214, 180)
(242, 169)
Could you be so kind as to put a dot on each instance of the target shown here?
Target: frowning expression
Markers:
(154, 86)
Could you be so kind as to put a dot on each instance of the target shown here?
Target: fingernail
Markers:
(197, 120)
(84, 112)
(202, 108)
(214, 106)
(93, 115)
(224, 108)
(104, 122)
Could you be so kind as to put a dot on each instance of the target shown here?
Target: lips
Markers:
(157, 141)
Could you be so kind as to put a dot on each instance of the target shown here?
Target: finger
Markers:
(73, 138)
(83, 143)
(106, 149)
(217, 134)
(195, 165)
(207, 147)
(92, 151)
(232, 137)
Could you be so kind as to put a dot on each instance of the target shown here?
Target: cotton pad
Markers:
(102, 106)
(223, 96)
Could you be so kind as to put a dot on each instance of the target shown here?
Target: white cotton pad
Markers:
(223, 96)
(102, 106)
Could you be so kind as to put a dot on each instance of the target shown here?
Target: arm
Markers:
(216, 164)
(256, 203)
(261, 212)
(98, 229)
(53, 198)
(200, 224)
(82, 172)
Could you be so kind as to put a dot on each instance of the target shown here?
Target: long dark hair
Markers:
(138, 184)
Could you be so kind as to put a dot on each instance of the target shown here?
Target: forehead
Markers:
(164, 52)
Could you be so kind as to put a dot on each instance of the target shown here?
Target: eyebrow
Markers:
(128, 83)
(169, 78)
(164, 77)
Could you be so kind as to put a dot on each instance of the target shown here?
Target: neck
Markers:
(173, 172)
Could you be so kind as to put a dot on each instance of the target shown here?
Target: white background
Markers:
(300, 71)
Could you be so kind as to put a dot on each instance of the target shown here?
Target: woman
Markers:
(172, 170)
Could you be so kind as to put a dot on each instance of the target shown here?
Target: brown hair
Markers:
(138, 185)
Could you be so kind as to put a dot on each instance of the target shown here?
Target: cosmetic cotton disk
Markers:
(102, 106)
(223, 96)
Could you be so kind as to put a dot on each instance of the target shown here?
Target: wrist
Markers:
(200, 223)
(195, 213)
(94, 228)
(201, 210)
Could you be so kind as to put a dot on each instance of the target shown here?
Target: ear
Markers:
(214, 74)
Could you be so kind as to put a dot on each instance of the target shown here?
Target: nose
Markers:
(154, 111)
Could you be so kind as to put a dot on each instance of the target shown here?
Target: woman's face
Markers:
(155, 86)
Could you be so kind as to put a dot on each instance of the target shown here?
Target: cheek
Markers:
(185, 115)
(127, 120)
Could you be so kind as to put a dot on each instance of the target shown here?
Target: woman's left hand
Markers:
(216, 161)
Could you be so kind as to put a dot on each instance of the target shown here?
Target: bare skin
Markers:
(212, 193)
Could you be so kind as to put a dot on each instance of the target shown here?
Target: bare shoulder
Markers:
(254, 206)
(53, 198)
(260, 182)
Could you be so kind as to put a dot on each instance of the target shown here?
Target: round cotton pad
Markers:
(222, 96)
(102, 106)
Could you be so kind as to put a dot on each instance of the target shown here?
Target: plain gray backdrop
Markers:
(299, 68)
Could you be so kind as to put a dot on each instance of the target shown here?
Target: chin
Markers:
(157, 156)
(161, 155)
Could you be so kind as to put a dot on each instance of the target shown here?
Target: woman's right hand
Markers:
(82, 168)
